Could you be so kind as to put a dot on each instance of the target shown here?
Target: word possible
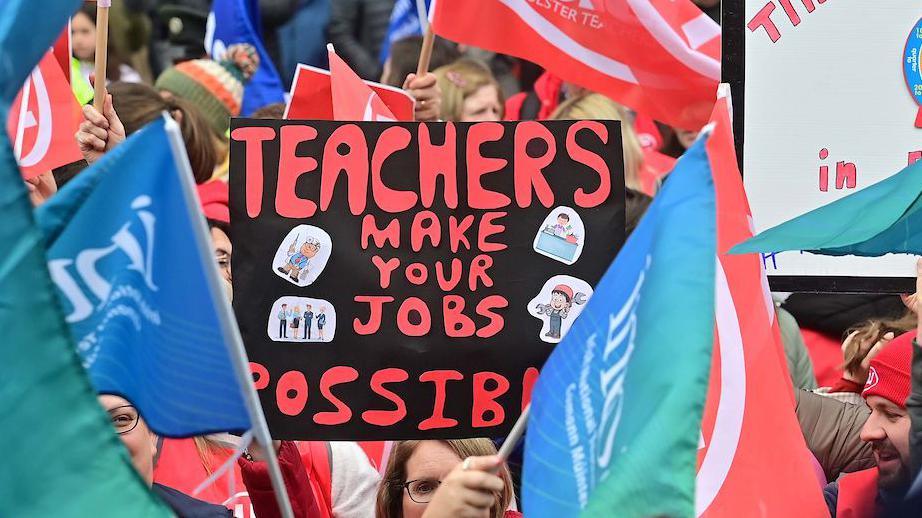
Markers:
(764, 20)
(292, 394)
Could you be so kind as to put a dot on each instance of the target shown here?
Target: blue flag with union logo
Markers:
(616, 412)
(129, 253)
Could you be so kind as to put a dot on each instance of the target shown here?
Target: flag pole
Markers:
(229, 329)
(425, 54)
(102, 48)
(518, 429)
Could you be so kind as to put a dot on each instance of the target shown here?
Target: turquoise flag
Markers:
(616, 413)
(880, 219)
(61, 456)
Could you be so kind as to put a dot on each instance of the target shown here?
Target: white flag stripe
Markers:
(565, 43)
(660, 29)
(700, 31)
(732, 404)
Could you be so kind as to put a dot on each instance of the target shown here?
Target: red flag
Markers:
(43, 120)
(751, 451)
(63, 51)
(312, 96)
(353, 100)
(659, 57)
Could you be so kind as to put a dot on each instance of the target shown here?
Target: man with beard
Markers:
(880, 491)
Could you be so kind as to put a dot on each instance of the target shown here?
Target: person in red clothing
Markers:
(537, 104)
(142, 446)
(448, 478)
(879, 490)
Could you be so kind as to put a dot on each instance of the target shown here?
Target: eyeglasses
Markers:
(421, 490)
(124, 418)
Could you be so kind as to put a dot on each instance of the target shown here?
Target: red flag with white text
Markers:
(312, 96)
(43, 120)
(659, 57)
(752, 455)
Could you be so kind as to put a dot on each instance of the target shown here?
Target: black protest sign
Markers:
(408, 280)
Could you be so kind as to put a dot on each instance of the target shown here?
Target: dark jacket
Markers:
(357, 31)
(187, 507)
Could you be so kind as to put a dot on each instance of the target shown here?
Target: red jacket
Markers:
(246, 489)
(858, 495)
(547, 91)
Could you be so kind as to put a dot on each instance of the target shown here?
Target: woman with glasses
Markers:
(434, 479)
(141, 443)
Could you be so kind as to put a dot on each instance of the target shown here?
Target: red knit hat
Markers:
(213, 196)
(889, 376)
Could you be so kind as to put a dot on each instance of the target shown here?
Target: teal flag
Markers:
(61, 456)
(880, 219)
(616, 413)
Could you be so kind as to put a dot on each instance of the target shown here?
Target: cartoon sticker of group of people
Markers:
(301, 319)
(294, 319)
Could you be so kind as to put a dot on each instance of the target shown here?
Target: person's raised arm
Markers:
(99, 132)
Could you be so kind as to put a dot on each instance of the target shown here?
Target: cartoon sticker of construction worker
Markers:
(302, 255)
(289, 314)
(561, 236)
(561, 300)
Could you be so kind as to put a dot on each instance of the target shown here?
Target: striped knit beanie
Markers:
(215, 87)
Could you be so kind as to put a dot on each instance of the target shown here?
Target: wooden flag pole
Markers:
(102, 47)
(426, 52)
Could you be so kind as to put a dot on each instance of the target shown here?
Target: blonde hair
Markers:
(598, 107)
(458, 81)
(390, 493)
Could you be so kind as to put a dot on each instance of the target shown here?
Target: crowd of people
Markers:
(853, 360)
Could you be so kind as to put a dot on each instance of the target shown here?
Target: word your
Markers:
(846, 173)
(292, 394)
(764, 20)
(581, 13)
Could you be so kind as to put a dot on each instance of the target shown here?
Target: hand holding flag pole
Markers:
(229, 329)
(102, 46)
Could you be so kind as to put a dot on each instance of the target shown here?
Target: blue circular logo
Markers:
(911, 67)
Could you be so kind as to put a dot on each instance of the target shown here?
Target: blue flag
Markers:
(129, 253)
(616, 412)
(404, 22)
(237, 21)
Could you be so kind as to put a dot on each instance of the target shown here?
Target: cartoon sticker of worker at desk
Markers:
(302, 255)
(561, 300)
(561, 236)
